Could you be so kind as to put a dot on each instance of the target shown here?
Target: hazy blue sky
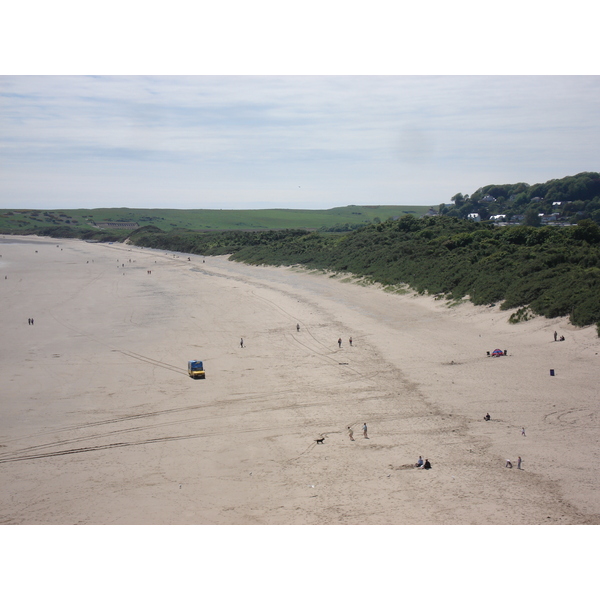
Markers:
(287, 141)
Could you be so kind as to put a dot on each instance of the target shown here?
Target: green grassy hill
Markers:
(84, 222)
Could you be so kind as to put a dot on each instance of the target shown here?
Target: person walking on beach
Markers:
(350, 434)
(350, 340)
(340, 342)
(519, 461)
(523, 431)
(555, 335)
(365, 431)
(241, 342)
(297, 326)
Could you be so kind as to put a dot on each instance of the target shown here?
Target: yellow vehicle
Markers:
(196, 369)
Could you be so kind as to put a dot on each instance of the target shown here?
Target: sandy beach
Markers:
(100, 423)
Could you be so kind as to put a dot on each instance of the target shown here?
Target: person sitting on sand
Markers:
(562, 338)
(419, 462)
(426, 464)
(487, 417)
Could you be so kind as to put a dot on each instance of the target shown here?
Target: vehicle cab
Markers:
(196, 369)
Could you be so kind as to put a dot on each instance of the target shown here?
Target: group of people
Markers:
(557, 339)
(351, 432)
(30, 321)
(423, 464)
(509, 463)
(340, 342)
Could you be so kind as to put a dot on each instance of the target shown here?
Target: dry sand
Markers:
(100, 423)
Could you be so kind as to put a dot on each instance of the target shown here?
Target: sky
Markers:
(309, 142)
(236, 105)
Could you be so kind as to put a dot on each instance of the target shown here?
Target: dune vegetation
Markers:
(554, 271)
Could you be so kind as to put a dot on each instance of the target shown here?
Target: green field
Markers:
(85, 220)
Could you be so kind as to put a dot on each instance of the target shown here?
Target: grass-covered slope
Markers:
(84, 222)
(553, 270)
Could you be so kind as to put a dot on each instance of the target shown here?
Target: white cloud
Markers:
(249, 141)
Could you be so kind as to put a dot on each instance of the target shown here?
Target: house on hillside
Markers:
(474, 217)
(498, 218)
(488, 198)
(431, 213)
(549, 218)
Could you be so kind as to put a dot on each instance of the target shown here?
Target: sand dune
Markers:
(100, 424)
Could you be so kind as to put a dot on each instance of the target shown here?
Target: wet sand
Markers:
(100, 423)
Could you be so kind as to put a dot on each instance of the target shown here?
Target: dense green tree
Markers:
(588, 231)
(532, 218)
